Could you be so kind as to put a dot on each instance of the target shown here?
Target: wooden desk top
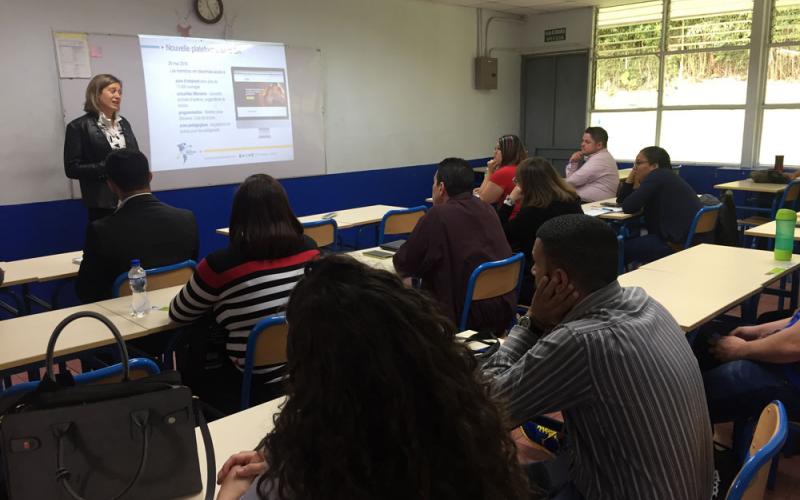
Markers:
(351, 217)
(24, 340)
(691, 302)
(46, 268)
(624, 173)
(753, 187)
(385, 264)
(729, 265)
(768, 231)
(155, 321)
(238, 432)
(480, 170)
(596, 209)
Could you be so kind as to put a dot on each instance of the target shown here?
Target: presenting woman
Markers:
(541, 195)
(91, 137)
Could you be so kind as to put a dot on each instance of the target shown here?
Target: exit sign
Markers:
(555, 35)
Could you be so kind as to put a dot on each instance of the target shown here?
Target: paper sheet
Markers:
(72, 52)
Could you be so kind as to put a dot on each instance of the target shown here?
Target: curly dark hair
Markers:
(381, 401)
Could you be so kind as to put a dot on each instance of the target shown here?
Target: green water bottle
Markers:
(785, 220)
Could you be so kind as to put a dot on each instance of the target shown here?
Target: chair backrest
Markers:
(492, 279)
(768, 439)
(323, 232)
(157, 277)
(705, 221)
(790, 196)
(137, 368)
(266, 345)
(400, 221)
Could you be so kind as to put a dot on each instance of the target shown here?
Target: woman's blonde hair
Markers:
(96, 85)
(541, 185)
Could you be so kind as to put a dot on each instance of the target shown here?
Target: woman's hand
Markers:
(516, 194)
(235, 484)
(245, 464)
(491, 166)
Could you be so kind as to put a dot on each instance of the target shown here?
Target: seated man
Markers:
(458, 234)
(617, 365)
(592, 171)
(754, 365)
(142, 228)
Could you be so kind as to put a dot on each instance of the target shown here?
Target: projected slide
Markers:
(216, 102)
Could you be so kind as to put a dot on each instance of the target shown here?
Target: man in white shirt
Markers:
(592, 171)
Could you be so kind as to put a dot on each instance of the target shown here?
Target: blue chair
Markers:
(705, 221)
(266, 345)
(768, 439)
(620, 254)
(323, 232)
(138, 368)
(789, 199)
(157, 277)
(492, 279)
(402, 221)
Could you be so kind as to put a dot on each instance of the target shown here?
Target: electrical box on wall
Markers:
(486, 73)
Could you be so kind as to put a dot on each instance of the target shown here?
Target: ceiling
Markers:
(532, 7)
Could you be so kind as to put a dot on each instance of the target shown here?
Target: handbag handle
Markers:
(141, 420)
(51, 344)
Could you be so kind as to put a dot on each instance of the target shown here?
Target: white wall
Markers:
(398, 77)
(579, 24)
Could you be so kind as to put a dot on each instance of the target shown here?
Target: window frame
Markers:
(754, 104)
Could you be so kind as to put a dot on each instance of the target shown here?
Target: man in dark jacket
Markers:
(457, 235)
(141, 228)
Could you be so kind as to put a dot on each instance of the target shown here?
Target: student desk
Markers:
(386, 264)
(24, 340)
(47, 268)
(157, 320)
(699, 283)
(752, 187)
(691, 302)
(596, 209)
(38, 269)
(624, 173)
(237, 432)
(768, 231)
(351, 217)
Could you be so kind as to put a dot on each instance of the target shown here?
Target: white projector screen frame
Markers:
(120, 55)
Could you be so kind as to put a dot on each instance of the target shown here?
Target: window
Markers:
(675, 73)
(781, 110)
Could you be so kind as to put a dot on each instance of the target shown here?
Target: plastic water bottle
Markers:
(137, 279)
(785, 221)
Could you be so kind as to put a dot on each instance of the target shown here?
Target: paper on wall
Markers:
(72, 52)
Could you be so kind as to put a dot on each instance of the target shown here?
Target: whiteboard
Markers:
(120, 56)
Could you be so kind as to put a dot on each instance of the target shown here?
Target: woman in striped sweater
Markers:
(250, 279)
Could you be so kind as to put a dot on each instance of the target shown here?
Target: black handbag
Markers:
(128, 440)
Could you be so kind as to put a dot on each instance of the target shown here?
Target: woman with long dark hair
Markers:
(541, 195)
(246, 282)
(382, 403)
(500, 171)
(90, 138)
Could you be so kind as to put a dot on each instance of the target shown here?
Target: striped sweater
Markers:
(240, 293)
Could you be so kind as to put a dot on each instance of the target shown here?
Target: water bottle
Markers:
(785, 221)
(137, 279)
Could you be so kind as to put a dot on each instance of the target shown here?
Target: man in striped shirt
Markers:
(617, 365)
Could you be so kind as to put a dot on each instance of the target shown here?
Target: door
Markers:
(554, 93)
